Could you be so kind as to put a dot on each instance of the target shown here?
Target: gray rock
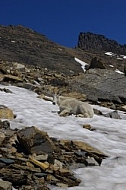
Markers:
(7, 161)
(101, 85)
(113, 114)
(91, 161)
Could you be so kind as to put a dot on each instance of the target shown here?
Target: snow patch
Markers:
(13, 41)
(118, 71)
(109, 53)
(123, 56)
(60, 49)
(119, 57)
(83, 64)
(111, 65)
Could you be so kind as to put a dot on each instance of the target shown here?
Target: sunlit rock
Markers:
(6, 113)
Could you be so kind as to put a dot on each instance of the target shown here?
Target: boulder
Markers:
(6, 113)
(113, 114)
(101, 85)
(35, 141)
(95, 63)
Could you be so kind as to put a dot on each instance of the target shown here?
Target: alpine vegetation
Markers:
(69, 106)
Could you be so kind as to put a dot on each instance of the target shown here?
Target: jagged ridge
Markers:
(96, 42)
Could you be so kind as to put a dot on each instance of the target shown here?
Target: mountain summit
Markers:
(96, 42)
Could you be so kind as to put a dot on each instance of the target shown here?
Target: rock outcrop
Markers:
(101, 85)
(96, 42)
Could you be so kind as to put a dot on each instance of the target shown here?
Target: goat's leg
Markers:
(64, 112)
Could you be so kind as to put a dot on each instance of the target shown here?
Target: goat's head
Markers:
(55, 96)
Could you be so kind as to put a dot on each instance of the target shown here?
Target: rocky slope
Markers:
(23, 45)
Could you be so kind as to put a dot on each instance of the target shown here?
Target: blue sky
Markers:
(63, 20)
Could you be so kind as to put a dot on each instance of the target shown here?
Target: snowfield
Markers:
(109, 136)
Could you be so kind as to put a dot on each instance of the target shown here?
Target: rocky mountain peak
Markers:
(96, 42)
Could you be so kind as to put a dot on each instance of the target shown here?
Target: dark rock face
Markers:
(90, 41)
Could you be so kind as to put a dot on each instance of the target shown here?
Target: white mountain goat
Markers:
(68, 106)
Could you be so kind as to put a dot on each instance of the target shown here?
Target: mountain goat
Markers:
(68, 106)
